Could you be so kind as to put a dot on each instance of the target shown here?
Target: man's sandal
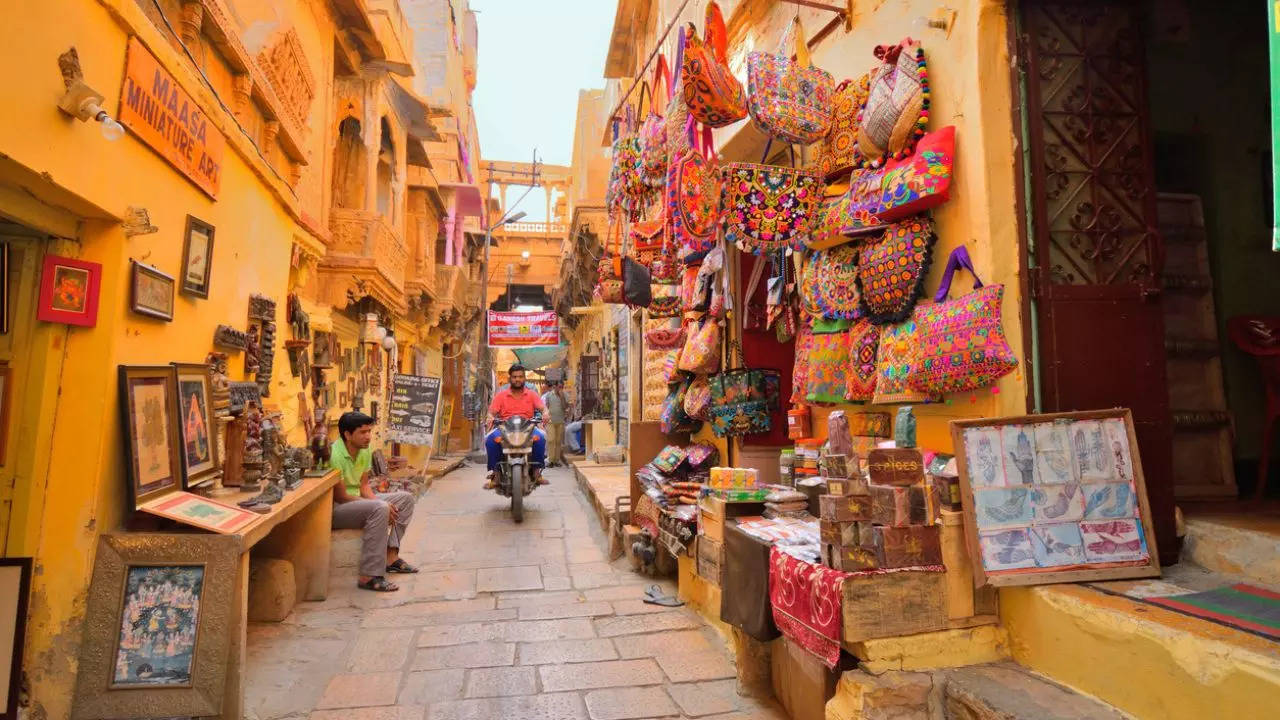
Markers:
(377, 583)
(402, 567)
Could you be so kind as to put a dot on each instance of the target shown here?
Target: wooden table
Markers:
(298, 529)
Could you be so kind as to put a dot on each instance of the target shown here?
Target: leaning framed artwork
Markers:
(69, 291)
(151, 291)
(152, 438)
(197, 257)
(157, 627)
(201, 512)
(200, 461)
(1054, 498)
(6, 390)
(15, 588)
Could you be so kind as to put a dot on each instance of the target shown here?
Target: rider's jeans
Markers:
(494, 449)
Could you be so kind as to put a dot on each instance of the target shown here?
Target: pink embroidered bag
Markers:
(790, 99)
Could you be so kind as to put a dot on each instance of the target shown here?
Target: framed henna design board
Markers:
(1054, 498)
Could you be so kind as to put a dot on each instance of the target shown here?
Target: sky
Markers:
(533, 59)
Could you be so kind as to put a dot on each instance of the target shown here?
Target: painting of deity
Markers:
(158, 625)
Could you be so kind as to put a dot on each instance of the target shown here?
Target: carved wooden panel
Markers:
(286, 67)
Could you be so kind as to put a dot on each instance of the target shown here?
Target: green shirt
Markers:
(352, 470)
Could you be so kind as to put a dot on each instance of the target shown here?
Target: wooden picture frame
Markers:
(15, 593)
(152, 439)
(197, 257)
(69, 291)
(150, 291)
(1053, 423)
(202, 512)
(198, 426)
(188, 580)
(4, 288)
(6, 392)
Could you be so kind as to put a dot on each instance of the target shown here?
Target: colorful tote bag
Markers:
(653, 132)
(697, 399)
(676, 121)
(626, 191)
(897, 108)
(832, 280)
(897, 358)
(701, 353)
(962, 342)
(906, 187)
(647, 241)
(833, 223)
(714, 96)
(743, 401)
(790, 99)
(800, 370)
(864, 346)
(674, 419)
(828, 372)
(768, 208)
(693, 203)
(891, 273)
(839, 149)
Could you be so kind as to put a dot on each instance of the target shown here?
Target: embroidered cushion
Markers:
(906, 187)
(831, 280)
(864, 344)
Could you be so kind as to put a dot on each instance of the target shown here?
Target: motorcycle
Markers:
(514, 478)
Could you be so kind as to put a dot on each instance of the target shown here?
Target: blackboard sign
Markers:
(412, 416)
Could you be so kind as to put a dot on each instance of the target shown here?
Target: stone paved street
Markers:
(520, 622)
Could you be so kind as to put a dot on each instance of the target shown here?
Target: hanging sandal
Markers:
(377, 583)
(402, 567)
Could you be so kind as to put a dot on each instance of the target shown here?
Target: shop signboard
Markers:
(155, 108)
(414, 402)
(523, 329)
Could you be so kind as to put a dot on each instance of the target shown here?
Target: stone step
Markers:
(1007, 691)
(1246, 546)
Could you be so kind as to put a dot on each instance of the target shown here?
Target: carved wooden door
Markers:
(1097, 253)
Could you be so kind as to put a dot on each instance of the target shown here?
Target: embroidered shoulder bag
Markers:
(864, 346)
(790, 99)
(653, 132)
(891, 273)
(896, 360)
(626, 190)
(609, 269)
(743, 400)
(828, 371)
(897, 108)
(714, 96)
(832, 282)
(769, 208)
(701, 353)
(839, 149)
(962, 342)
(906, 187)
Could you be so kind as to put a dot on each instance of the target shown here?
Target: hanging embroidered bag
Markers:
(653, 132)
(800, 370)
(769, 208)
(891, 273)
(636, 285)
(962, 342)
(905, 187)
(714, 96)
(833, 282)
(697, 399)
(897, 108)
(693, 200)
(828, 362)
(674, 419)
(671, 372)
(693, 297)
(832, 225)
(790, 99)
(864, 345)
(609, 286)
(701, 353)
(839, 149)
(626, 191)
(743, 401)
(664, 337)
(647, 241)
(896, 359)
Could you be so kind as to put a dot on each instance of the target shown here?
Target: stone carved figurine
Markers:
(251, 351)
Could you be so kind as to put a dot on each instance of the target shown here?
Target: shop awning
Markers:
(536, 358)
(414, 111)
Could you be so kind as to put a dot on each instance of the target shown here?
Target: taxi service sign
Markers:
(523, 329)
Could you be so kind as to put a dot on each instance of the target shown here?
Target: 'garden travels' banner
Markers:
(523, 329)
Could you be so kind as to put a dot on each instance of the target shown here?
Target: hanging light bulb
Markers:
(379, 334)
(111, 130)
(389, 343)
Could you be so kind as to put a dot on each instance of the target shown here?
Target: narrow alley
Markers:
(504, 621)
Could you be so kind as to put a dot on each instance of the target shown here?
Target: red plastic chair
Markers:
(1259, 336)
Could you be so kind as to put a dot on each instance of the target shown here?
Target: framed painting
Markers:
(4, 288)
(197, 258)
(200, 461)
(202, 512)
(69, 291)
(6, 391)
(1054, 498)
(15, 589)
(158, 626)
(153, 444)
(151, 291)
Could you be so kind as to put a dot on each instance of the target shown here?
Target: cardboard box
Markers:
(802, 684)
(710, 559)
(911, 546)
(844, 508)
(897, 506)
(846, 486)
(839, 532)
(895, 466)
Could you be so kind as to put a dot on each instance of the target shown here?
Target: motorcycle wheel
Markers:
(517, 494)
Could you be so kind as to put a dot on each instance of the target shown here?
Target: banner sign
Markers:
(162, 115)
(523, 329)
(414, 400)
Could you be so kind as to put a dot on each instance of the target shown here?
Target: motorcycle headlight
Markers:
(518, 438)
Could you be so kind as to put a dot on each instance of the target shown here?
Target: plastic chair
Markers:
(1259, 336)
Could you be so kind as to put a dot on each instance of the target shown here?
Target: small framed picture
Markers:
(15, 588)
(197, 258)
(200, 461)
(69, 291)
(148, 398)
(152, 292)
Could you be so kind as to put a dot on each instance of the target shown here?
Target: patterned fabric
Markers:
(864, 344)
(664, 337)
(697, 399)
(653, 133)
(828, 372)
(669, 458)
(807, 603)
(701, 354)
(667, 306)
(647, 241)
(674, 418)
(671, 367)
(666, 269)
(891, 273)
(700, 454)
(789, 99)
(692, 204)
(742, 401)
(897, 103)
(906, 187)
(626, 189)
(768, 208)
(800, 371)
(691, 300)
(869, 424)
(714, 96)
(839, 149)
(655, 388)
(833, 282)
(897, 357)
(832, 222)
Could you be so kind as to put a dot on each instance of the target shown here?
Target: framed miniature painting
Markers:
(69, 291)
(197, 258)
(1054, 498)
(151, 291)
(158, 626)
(202, 512)
(200, 461)
(153, 442)
(15, 589)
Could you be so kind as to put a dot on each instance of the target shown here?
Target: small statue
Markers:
(219, 380)
(253, 434)
(251, 350)
(904, 428)
(273, 446)
(295, 461)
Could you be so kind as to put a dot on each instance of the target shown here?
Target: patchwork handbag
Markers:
(743, 401)
(905, 187)
(647, 241)
(693, 200)
(864, 346)
(768, 208)
(790, 99)
(697, 399)
(896, 111)
(962, 342)
(653, 132)
(897, 358)
(701, 352)
(674, 419)
(714, 96)
(891, 273)
(832, 280)
(838, 152)
(800, 370)
(669, 458)
(828, 362)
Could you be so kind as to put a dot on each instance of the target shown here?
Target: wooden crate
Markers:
(844, 508)
(710, 560)
(889, 604)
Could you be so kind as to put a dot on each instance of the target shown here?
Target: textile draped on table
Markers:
(746, 571)
(807, 606)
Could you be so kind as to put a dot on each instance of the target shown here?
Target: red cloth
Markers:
(506, 403)
(807, 605)
(761, 349)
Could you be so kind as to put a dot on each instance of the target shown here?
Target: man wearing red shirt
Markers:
(516, 401)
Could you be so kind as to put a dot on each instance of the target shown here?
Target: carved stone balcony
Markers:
(369, 252)
(454, 288)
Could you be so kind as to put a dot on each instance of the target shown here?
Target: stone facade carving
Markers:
(287, 69)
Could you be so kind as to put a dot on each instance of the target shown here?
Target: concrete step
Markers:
(1244, 545)
(1007, 691)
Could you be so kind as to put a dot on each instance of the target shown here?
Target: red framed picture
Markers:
(69, 291)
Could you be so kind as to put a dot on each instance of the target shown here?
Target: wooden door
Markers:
(1097, 254)
(589, 385)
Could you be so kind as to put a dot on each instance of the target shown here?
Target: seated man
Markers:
(515, 400)
(356, 505)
